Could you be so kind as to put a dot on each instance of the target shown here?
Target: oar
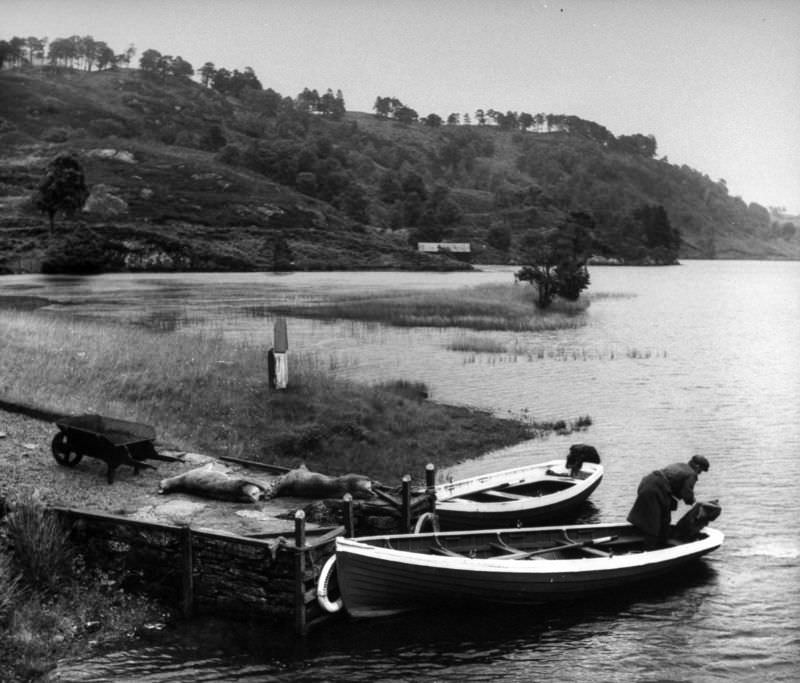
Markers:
(564, 546)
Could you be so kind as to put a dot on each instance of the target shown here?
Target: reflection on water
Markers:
(497, 644)
(702, 358)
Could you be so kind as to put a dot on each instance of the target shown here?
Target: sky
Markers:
(717, 82)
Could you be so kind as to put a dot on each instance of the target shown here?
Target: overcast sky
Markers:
(717, 82)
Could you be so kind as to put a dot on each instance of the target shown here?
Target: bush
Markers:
(82, 252)
(40, 548)
(104, 128)
(230, 154)
(184, 138)
(55, 135)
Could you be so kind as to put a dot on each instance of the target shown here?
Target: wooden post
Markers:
(430, 477)
(187, 573)
(347, 513)
(300, 625)
(430, 485)
(281, 351)
(406, 508)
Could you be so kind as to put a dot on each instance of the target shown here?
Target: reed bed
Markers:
(515, 352)
(202, 392)
(484, 307)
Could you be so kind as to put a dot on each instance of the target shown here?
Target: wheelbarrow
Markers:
(116, 442)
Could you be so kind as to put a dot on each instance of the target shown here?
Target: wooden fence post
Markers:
(430, 477)
(187, 572)
(300, 625)
(406, 508)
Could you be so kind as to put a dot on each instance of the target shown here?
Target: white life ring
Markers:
(427, 517)
(322, 587)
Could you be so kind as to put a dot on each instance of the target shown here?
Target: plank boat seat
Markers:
(586, 550)
(503, 548)
(441, 550)
(596, 552)
(504, 495)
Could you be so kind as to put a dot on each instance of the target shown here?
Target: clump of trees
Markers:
(74, 52)
(557, 259)
(391, 107)
(153, 62)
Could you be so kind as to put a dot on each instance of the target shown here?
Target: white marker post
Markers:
(281, 350)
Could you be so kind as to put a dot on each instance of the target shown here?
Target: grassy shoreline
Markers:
(204, 393)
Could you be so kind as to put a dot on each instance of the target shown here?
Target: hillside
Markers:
(184, 177)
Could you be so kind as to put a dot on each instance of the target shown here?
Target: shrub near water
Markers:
(39, 543)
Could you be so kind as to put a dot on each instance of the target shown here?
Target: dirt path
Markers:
(26, 463)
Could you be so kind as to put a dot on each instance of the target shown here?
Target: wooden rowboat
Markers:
(381, 575)
(524, 496)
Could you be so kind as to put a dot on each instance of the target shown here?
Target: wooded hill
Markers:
(184, 176)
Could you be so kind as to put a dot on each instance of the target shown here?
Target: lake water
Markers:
(701, 358)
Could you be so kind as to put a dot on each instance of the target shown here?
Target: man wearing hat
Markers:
(658, 495)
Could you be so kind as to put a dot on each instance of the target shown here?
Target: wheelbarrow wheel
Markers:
(63, 451)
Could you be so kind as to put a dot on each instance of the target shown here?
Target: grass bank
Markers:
(208, 394)
(484, 307)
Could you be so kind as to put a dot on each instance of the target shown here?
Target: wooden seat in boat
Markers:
(504, 494)
(441, 550)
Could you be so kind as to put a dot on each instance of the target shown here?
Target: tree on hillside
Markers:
(149, 60)
(657, 234)
(207, 72)
(62, 52)
(307, 101)
(644, 145)
(499, 237)
(17, 52)
(433, 120)
(383, 107)
(36, 49)
(557, 259)
(282, 256)
(236, 83)
(5, 52)
(391, 106)
(105, 56)
(405, 114)
(63, 188)
(126, 57)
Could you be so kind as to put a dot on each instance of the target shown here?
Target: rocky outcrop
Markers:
(115, 154)
(102, 202)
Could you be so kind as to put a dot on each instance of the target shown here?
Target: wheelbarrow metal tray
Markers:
(115, 431)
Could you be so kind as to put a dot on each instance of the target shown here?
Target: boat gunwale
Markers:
(357, 546)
